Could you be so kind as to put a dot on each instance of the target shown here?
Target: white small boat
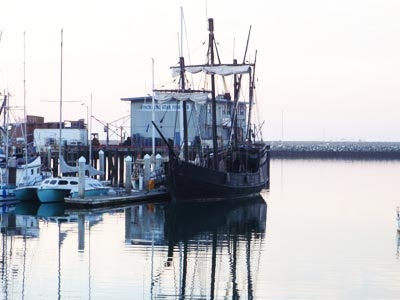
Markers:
(398, 218)
(27, 177)
(56, 189)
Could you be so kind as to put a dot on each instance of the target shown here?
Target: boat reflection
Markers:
(21, 223)
(233, 232)
(193, 235)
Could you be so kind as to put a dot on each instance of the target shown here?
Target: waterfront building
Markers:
(167, 120)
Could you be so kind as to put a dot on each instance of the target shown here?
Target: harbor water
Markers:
(325, 230)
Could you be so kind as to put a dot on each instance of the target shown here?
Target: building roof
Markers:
(138, 99)
(219, 98)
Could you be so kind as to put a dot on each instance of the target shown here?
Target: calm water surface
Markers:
(329, 232)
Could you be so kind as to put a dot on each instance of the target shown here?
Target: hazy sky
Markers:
(327, 70)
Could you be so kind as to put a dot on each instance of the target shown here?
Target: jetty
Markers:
(335, 150)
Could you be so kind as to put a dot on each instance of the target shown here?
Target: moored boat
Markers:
(56, 189)
(26, 193)
(26, 176)
(29, 177)
(236, 168)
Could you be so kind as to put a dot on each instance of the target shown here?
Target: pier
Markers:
(120, 198)
(113, 164)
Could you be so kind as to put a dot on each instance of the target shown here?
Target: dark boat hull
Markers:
(189, 182)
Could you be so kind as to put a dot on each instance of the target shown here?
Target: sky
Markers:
(326, 70)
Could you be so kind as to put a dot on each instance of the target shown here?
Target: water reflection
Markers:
(197, 250)
(226, 236)
(22, 222)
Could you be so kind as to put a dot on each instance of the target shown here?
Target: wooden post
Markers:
(121, 169)
(115, 168)
(109, 167)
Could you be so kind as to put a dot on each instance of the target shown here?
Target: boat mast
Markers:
(61, 86)
(6, 120)
(213, 103)
(182, 86)
(185, 125)
(234, 124)
(25, 133)
(237, 86)
(153, 134)
(251, 96)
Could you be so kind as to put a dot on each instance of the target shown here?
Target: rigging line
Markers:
(259, 120)
(162, 119)
(187, 45)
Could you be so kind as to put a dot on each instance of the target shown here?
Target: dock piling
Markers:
(101, 158)
(128, 174)
(81, 171)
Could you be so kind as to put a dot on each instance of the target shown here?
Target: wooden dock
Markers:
(120, 198)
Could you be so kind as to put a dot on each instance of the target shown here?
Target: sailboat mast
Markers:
(214, 102)
(185, 125)
(182, 86)
(61, 93)
(234, 123)
(25, 133)
(153, 133)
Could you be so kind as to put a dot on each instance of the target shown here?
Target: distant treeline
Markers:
(344, 150)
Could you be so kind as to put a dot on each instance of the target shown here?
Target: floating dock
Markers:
(119, 198)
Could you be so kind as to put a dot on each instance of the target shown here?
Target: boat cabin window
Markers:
(74, 182)
(63, 182)
(31, 172)
(54, 181)
(46, 181)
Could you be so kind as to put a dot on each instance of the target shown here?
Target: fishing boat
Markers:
(235, 169)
